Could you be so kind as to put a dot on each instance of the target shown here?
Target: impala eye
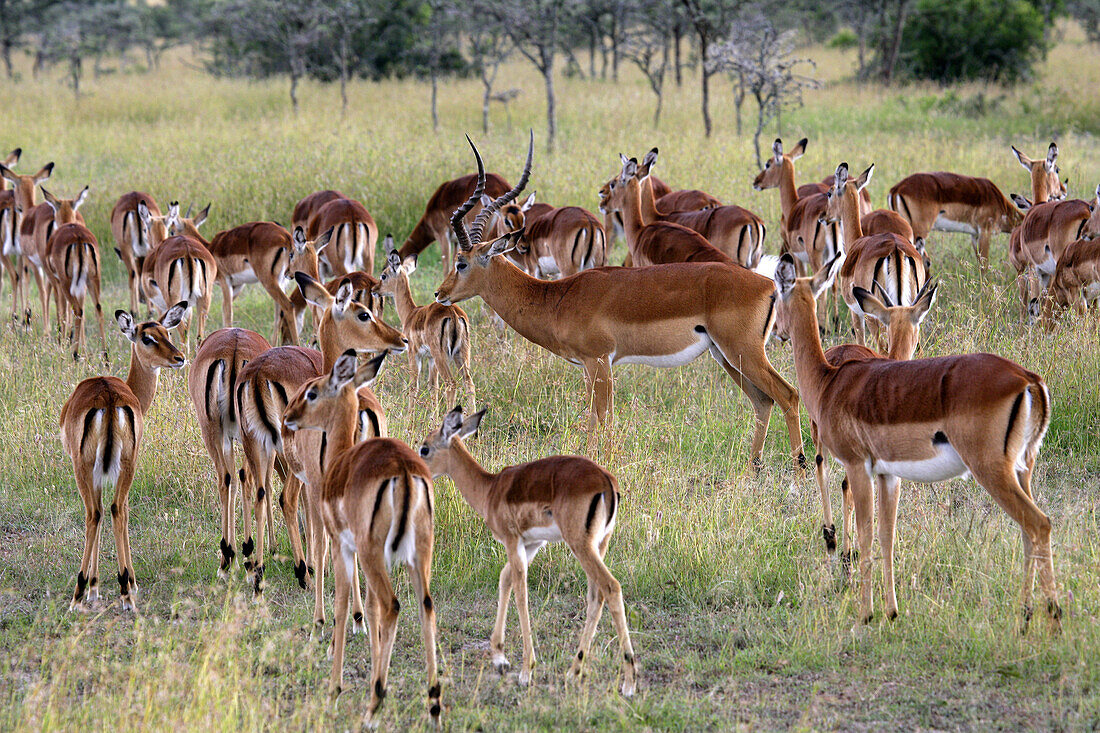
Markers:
(425, 450)
(460, 265)
(148, 340)
(364, 316)
(311, 395)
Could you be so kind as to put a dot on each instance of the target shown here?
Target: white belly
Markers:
(244, 277)
(947, 225)
(680, 358)
(1092, 291)
(549, 266)
(947, 464)
(549, 533)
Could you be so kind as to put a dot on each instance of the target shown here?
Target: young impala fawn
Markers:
(376, 503)
(558, 499)
(101, 425)
(438, 333)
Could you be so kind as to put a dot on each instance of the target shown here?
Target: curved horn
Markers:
(189, 207)
(458, 218)
(487, 212)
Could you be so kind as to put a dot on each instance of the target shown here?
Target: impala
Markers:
(666, 315)
(927, 420)
(182, 268)
(7, 210)
(362, 285)
(439, 334)
(844, 206)
(264, 252)
(73, 264)
(886, 259)
(35, 246)
(101, 427)
(435, 226)
(264, 386)
(558, 499)
(668, 201)
(949, 202)
(212, 382)
(131, 237)
(516, 216)
(562, 242)
(779, 173)
(377, 504)
(354, 236)
(22, 204)
(1045, 183)
(1075, 283)
(305, 209)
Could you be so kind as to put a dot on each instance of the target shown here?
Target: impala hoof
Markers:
(525, 678)
(358, 625)
(501, 664)
(829, 533)
(629, 688)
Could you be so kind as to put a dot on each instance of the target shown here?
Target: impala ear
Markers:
(8, 173)
(51, 200)
(471, 424)
(324, 240)
(299, 238)
(393, 260)
(409, 264)
(648, 161)
(823, 278)
(44, 173)
(865, 177)
(926, 298)
(313, 291)
(1052, 156)
(173, 212)
(174, 315)
(345, 294)
(1024, 160)
(126, 324)
(1021, 203)
(871, 306)
(452, 423)
(841, 176)
(800, 149)
(369, 371)
(777, 150)
(343, 371)
(528, 203)
(13, 157)
(80, 199)
(388, 244)
(785, 275)
(505, 243)
(199, 220)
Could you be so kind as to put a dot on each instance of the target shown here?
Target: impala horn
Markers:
(487, 212)
(458, 218)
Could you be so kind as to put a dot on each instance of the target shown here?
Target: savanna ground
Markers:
(738, 618)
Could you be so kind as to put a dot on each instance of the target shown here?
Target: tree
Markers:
(760, 55)
(1087, 13)
(955, 40)
(487, 46)
(648, 44)
(343, 22)
(710, 19)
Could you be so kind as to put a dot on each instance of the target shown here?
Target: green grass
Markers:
(738, 618)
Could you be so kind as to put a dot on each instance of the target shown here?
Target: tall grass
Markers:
(739, 620)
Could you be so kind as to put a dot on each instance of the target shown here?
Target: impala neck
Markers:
(471, 480)
(340, 433)
(788, 194)
(328, 342)
(810, 365)
(648, 203)
(522, 301)
(141, 380)
(403, 300)
(849, 217)
(633, 214)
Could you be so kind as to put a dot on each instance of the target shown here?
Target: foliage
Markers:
(956, 40)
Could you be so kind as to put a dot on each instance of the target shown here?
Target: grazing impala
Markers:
(212, 383)
(377, 503)
(354, 236)
(561, 242)
(265, 384)
(1038, 243)
(101, 427)
(886, 259)
(73, 264)
(22, 205)
(566, 499)
(35, 246)
(131, 237)
(927, 420)
(949, 202)
(1075, 283)
(437, 333)
(308, 207)
(902, 336)
(1045, 183)
(264, 252)
(666, 316)
(434, 225)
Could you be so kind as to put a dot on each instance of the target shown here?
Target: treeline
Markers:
(667, 40)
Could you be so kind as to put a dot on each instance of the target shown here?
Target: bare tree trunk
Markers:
(76, 68)
(6, 52)
(677, 36)
(294, 92)
(592, 53)
(435, 100)
(891, 57)
(703, 48)
(739, 99)
(614, 48)
(551, 103)
(343, 77)
(759, 129)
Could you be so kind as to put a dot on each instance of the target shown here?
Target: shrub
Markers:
(844, 39)
(959, 40)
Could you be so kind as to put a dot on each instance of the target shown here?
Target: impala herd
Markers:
(689, 286)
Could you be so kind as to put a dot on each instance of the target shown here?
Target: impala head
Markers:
(1091, 230)
(771, 175)
(10, 161)
(24, 185)
(845, 192)
(1044, 174)
(473, 258)
(436, 448)
(64, 210)
(793, 291)
(189, 225)
(624, 184)
(156, 228)
(902, 322)
(328, 400)
(303, 255)
(514, 215)
(152, 345)
(346, 321)
(395, 272)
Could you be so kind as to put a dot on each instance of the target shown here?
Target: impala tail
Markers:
(80, 260)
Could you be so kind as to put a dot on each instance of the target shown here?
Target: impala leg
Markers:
(342, 569)
(131, 278)
(847, 523)
(227, 302)
(517, 559)
(414, 372)
(463, 364)
(223, 469)
(93, 514)
(864, 499)
(821, 473)
(496, 641)
(263, 488)
(288, 502)
(358, 619)
(93, 288)
(612, 592)
(599, 380)
(204, 312)
(378, 580)
(888, 494)
(120, 517)
(420, 574)
(981, 248)
(439, 359)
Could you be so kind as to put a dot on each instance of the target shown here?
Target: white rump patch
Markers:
(549, 266)
(113, 461)
(944, 224)
(406, 548)
(347, 550)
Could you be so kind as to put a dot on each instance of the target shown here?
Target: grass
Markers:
(738, 618)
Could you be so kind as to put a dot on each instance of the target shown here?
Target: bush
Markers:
(844, 39)
(959, 40)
